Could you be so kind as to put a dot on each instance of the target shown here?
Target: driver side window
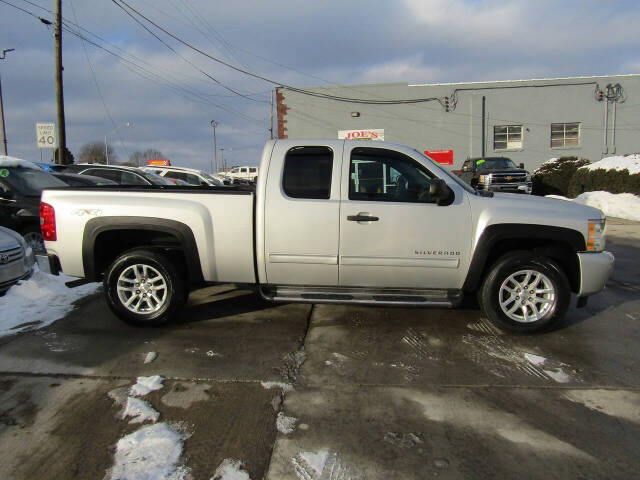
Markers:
(387, 176)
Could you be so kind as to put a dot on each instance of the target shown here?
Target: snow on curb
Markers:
(145, 385)
(39, 301)
(621, 205)
(140, 411)
(150, 453)
(150, 357)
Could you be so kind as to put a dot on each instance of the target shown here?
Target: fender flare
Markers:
(516, 231)
(181, 231)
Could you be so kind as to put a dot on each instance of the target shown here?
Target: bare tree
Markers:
(93, 152)
(141, 158)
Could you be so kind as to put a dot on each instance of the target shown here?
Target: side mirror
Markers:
(440, 192)
(521, 166)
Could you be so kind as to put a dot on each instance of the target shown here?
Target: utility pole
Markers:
(222, 153)
(271, 118)
(214, 167)
(4, 133)
(57, 36)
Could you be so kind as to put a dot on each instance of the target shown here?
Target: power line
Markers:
(95, 81)
(185, 59)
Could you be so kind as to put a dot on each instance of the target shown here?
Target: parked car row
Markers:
(22, 183)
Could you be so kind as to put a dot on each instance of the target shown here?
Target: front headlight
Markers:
(528, 178)
(596, 239)
(484, 179)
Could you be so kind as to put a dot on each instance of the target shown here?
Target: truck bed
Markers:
(220, 219)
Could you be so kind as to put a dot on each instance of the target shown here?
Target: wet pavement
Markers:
(379, 393)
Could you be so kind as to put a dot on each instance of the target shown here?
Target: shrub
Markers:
(553, 177)
(614, 181)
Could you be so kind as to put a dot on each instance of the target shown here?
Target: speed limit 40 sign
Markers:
(46, 135)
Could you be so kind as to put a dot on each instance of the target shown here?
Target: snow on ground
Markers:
(150, 357)
(150, 453)
(140, 411)
(621, 205)
(39, 301)
(145, 385)
(230, 469)
(630, 162)
(285, 424)
(285, 387)
(310, 464)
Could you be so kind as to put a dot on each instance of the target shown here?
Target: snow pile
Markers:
(7, 162)
(145, 385)
(629, 162)
(230, 469)
(285, 424)
(621, 205)
(140, 411)
(310, 464)
(38, 302)
(150, 453)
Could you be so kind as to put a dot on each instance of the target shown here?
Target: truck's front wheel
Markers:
(144, 288)
(525, 293)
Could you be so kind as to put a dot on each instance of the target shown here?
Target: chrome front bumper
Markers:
(507, 187)
(595, 270)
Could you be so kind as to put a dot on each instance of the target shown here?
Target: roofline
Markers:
(523, 80)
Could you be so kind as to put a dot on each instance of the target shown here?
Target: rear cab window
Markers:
(307, 172)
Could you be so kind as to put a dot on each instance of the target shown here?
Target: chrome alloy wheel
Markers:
(142, 289)
(527, 296)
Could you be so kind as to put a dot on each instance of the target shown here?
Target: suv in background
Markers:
(496, 174)
(120, 174)
(191, 176)
(242, 174)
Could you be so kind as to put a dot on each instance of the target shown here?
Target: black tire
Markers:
(552, 305)
(150, 313)
(33, 236)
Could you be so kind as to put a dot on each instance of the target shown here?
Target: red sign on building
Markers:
(443, 157)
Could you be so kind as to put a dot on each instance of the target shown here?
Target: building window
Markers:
(565, 135)
(507, 137)
(307, 172)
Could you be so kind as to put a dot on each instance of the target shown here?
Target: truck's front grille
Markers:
(11, 255)
(508, 177)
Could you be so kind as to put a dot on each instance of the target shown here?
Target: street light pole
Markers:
(4, 133)
(222, 154)
(214, 167)
(106, 148)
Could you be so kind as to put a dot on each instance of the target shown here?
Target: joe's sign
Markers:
(366, 134)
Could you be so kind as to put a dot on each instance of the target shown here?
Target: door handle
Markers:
(362, 217)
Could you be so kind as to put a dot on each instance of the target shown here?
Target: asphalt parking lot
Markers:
(378, 393)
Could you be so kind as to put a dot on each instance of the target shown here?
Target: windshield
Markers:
(448, 174)
(495, 163)
(157, 179)
(210, 179)
(29, 182)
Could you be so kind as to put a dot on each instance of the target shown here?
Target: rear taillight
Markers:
(48, 222)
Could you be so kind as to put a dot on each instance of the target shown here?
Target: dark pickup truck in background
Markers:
(496, 174)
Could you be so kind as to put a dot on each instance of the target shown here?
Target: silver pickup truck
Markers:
(332, 221)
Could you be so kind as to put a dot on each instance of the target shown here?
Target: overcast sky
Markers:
(170, 103)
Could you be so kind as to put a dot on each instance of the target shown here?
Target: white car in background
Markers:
(240, 174)
(191, 176)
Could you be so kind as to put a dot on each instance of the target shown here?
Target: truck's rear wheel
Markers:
(144, 288)
(525, 293)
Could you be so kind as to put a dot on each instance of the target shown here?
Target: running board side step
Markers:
(366, 296)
